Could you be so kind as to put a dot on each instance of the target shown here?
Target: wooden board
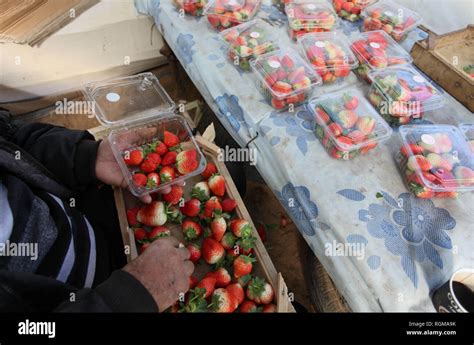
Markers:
(442, 58)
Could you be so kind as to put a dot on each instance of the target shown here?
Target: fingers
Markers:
(188, 268)
(184, 252)
(146, 199)
(142, 134)
(165, 190)
(170, 241)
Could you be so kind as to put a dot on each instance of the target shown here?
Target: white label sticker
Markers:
(255, 34)
(428, 139)
(274, 64)
(319, 44)
(375, 45)
(418, 79)
(389, 13)
(311, 6)
(112, 97)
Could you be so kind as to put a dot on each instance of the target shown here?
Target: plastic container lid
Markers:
(378, 50)
(236, 10)
(356, 119)
(122, 101)
(468, 130)
(330, 50)
(448, 162)
(284, 73)
(399, 17)
(405, 87)
(247, 40)
(308, 15)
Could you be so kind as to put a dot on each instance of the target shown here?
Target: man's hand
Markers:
(164, 270)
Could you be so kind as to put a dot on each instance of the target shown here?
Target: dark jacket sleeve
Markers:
(69, 154)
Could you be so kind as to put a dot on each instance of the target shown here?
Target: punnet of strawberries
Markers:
(435, 161)
(351, 9)
(347, 125)
(223, 14)
(159, 162)
(191, 7)
(220, 243)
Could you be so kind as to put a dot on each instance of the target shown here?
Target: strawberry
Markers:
(200, 191)
(170, 139)
(134, 157)
(218, 227)
(132, 216)
(438, 161)
(175, 215)
(191, 229)
(139, 179)
(153, 180)
(209, 170)
(260, 291)
(335, 129)
(193, 281)
(217, 185)
(464, 175)
(154, 157)
(140, 234)
(212, 207)
(420, 191)
(243, 266)
(262, 231)
(223, 301)
(238, 292)
(240, 227)
(195, 251)
(212, 251)
(365, 124)
(350, 102)
(228, 241)
(269, 308)
(287, 62)
(158, 232)
(414, 148)
(161, 148)
(169, 158)
(419, 162)
(167, 174)
(174, 196)
(222, 276)
(187, 161)
(209, 284)
(346, 118)
(149, 165)
(153, 214)
(248, 307)
(228, 205)
(191, 208)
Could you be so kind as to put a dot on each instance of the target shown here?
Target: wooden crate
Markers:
(263, 267)
(442, 58)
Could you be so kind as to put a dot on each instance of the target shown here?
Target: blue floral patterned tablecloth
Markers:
(407, 246)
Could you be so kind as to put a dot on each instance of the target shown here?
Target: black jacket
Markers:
(59, 162)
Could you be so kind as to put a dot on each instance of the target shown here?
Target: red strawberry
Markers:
(218, 227)
(132, 216)
(169, 158)
(224, 301)
(209, 170)
(139, 179)
(153, 214)
(223, 277)
(240, 227)
(287, 62)
(269, 308)
(420, 191)
(170, 139)
(217, 185)
(209, 284)
(243, 266)
(187, 161)
(134, 157)
(158, 232)
(149, 165)
(248, 307)
(351, 102)
(193, 281)
(212, 207)
(228, 241)
(174, 196)
(153, 180)
(195, 251)
(191, 208)
(419, 162)
(161, 148)
(154, 157)
(260, 291)
(191, 229)
(228, 205)
(335, 129)
(140, 234)
(238, 292)
(167, 174)
(212, 251)
(262, 231)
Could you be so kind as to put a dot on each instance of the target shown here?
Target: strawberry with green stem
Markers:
(191, 229)
(201, 191)
(260, 291)
(218, 227)
(217, 185)
(243, 265)
(212, 251)
(158, 232)
(167, 174)
(191, 208)
(174, 196)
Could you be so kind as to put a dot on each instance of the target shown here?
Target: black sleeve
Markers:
(69, 154)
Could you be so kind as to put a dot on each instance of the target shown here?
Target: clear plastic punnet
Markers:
(346, 124)
(329, 53)
(284, 78)
(377, 50)
(435, 161)
(248, 41)
(402, 94)
(191, 7)
(223, 14)
(144, 129)
(306, 16)
(351, 9)
(394, 19)
(468, 130)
